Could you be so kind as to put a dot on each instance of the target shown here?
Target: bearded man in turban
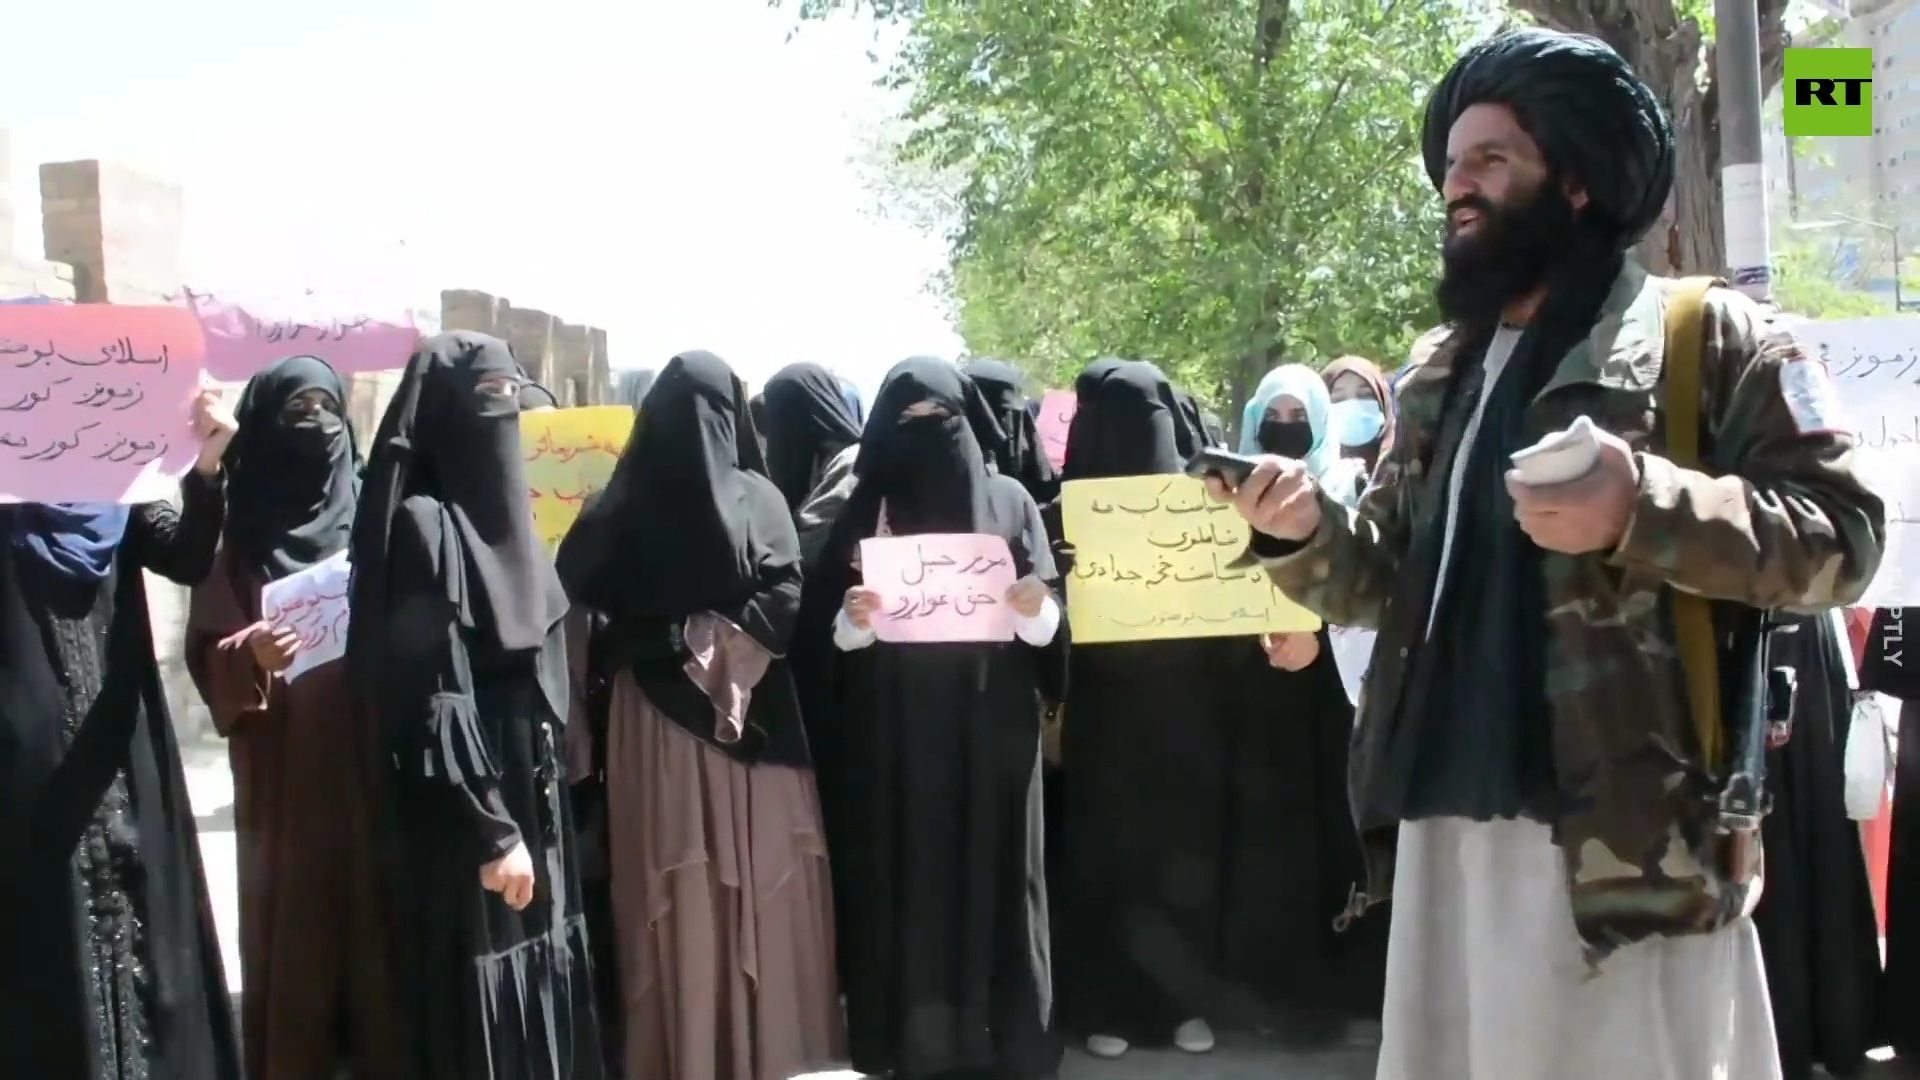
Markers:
(1528, 779)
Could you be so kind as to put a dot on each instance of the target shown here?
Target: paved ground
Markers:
(212, 790)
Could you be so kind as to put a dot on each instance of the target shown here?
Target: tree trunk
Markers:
(1669, 52)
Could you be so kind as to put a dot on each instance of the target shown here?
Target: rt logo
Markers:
(1829, 92)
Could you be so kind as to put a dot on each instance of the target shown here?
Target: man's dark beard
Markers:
(1507, 254)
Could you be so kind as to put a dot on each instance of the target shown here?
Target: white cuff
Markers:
(848, 637)
(1039, 630)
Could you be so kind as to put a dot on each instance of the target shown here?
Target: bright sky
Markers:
(672, 170)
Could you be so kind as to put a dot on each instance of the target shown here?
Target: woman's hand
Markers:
(859, 607)
(1291, 651)
(511, 876)
(213, 425)
(1027, 596)
(273, 649)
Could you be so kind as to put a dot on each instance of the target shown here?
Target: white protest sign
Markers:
(1875, 368)
(313, 604)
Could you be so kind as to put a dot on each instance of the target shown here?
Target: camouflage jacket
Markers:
(1778, 519)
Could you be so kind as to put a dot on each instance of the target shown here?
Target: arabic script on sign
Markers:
(1056, 416)
(96, 401)
(241, 343)
(1153, 560)
(313, 604)
(1875, 367)
(940, 587)
(570, 454)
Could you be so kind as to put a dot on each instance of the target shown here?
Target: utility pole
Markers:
(1743, 177)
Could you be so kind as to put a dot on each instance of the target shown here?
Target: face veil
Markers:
(452, 433)
(291, 477)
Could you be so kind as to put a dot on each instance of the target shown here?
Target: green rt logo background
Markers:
(1829, 92)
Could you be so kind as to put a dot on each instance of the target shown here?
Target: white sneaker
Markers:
(1194, 1036)
(1106, 1046)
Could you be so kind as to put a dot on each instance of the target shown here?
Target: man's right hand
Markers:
(1279, 498)
(273, 649)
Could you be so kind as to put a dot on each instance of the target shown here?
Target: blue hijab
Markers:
(74, 540)
(1303, 384)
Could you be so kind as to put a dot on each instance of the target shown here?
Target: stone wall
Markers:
(112, 235)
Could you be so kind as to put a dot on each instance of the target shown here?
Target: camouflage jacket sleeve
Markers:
(1788, 525)
(1345, 571)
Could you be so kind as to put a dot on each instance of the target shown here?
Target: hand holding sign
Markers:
(312, 606)
(937, 587)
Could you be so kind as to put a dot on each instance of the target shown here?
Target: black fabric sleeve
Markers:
(179, 545)
(431, 691)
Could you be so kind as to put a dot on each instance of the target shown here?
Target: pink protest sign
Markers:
(96, 401)
(1056, 414)
(940, 587)
(239, 343)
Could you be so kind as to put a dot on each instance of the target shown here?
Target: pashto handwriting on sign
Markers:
(570, 454)
(96, 401)
(1155, 558)
(940, 587)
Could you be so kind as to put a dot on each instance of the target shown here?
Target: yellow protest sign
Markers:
(1151, 557)
(570, 453)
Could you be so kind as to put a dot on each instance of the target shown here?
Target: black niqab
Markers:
(1129, 422)
(688, 517)
(808, 420)
(1021, 455)
(1585, 107)
(445, 437)
(291, 477)
(931, 470)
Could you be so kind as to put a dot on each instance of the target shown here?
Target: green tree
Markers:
(1216, 187)
(1806, 281)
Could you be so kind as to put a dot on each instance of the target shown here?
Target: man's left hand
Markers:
(1584, 515)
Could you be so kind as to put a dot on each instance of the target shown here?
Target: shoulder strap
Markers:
(1692, 615)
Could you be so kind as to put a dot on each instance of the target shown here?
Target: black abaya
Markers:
(457, 641)
(1146, 749)
(936, 842)
(1816, 922)
(111, 957)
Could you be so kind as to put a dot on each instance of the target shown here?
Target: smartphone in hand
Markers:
(1232, 469)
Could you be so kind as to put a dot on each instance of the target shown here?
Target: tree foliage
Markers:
(1217, 187)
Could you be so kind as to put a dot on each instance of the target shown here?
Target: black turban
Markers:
(1591, 115)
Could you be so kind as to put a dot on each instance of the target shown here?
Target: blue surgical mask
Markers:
(1356, 421)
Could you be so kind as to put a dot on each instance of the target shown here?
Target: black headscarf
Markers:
(1590, 114)
(1129, 422)
(807, 422)
(1021, 455)
(930, 470)
(292, 479)
(688, 518)
(757, 412)
(1196, 423)
(687, 524)
(441, 437)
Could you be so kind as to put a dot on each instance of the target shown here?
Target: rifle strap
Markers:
(1692, 615)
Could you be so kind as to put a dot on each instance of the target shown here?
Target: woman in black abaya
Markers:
(1816, 922)
(937, 859)
(1021, 454)
(1145, 748)
(112, 960)
(456, 641)
(808, 425)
